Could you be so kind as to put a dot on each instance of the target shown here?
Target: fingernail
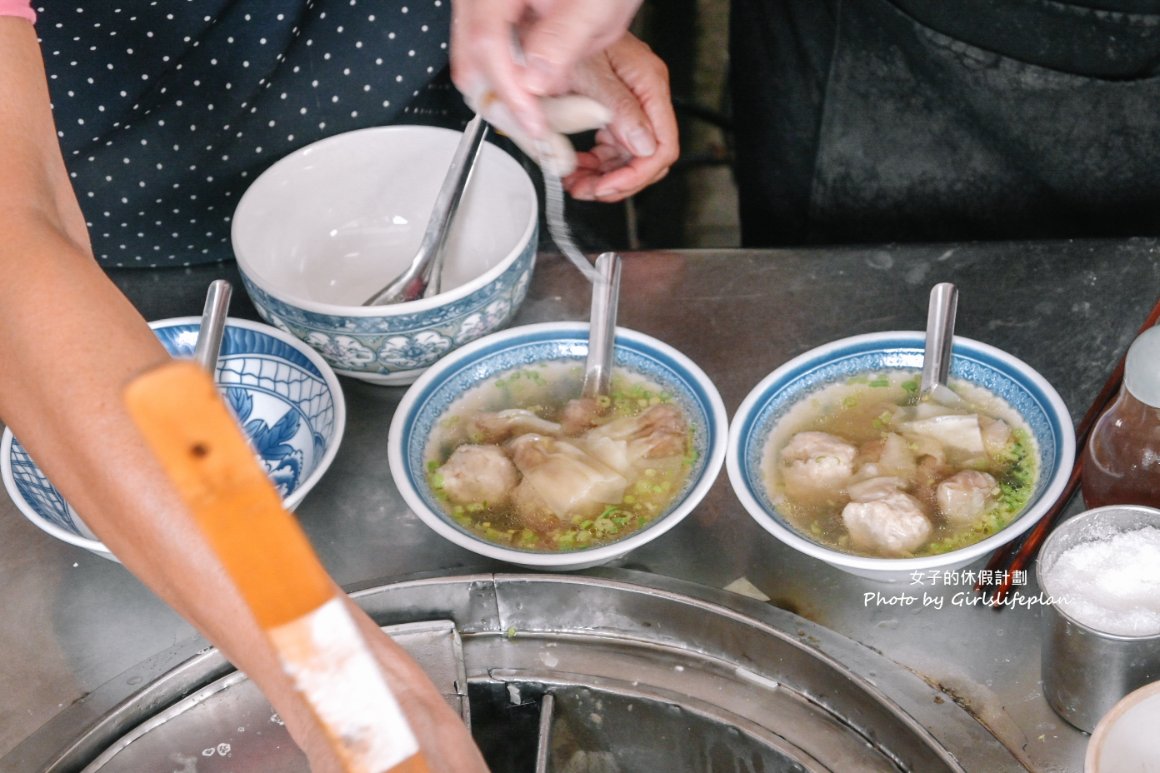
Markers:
(602, 193)
(641, 142)
(583, 195)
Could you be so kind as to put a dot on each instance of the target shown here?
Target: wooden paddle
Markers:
(178, 409)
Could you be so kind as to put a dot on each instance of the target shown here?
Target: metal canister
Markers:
(1086, 671)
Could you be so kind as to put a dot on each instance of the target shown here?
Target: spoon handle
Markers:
(602, 329)
(213, 325)
(412, 283)
(940, 326)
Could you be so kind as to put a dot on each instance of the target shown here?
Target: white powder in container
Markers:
(1112, 584)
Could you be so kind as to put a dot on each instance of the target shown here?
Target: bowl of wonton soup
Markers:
(834, 455)
(493, 451)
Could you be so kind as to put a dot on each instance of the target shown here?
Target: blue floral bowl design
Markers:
(426, 402)
(286, 398)
(325, 227)
(395, 348)
(1027, 392)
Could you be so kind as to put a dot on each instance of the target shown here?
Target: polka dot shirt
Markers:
(166, 110)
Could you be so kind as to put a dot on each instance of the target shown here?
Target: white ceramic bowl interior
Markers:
(1126, 738)
(283, 393)
(1019, 384)
(429, 398)
(321, 230)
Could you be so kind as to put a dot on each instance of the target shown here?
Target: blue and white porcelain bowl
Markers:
(323, 229)
(286, 398)
(1027, 392)
(428, 400)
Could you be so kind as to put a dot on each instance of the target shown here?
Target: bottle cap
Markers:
(1142, 368)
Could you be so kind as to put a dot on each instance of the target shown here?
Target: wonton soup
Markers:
(522, 462)
(864, 467)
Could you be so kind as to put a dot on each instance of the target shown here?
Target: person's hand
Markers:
(507, 56)
(524, 49)
(565, 115)
(640, 143)
(444, 739)
(624, 92)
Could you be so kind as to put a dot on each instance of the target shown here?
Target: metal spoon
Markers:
(413, 283)
(213, 325)
(940, 332)
(602, 326)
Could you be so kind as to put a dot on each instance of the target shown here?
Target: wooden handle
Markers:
(179, 411)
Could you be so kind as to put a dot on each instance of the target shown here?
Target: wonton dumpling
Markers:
(997, 435)
(875, 488)
(580, 415)
(561, 480)
(479, 474)
(966, 495)
(624, 443)
(960, 432)
(926, 448)
(893, 524)
(816, 462)
(930, 471)
(501, 425)
(890, 455)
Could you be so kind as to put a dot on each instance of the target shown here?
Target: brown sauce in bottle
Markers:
(1121, 464)
(1121, 460)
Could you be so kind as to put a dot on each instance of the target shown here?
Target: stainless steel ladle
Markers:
(940, 332)
(426, 268)
(602, 326)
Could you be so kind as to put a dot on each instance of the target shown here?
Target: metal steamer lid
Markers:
(609, 670)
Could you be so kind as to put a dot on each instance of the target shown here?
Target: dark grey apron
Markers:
(979, 120)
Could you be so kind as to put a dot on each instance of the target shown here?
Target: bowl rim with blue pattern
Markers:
(1012, 379)
(179, 336)
(429, 397)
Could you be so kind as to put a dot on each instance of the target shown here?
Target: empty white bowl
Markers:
(324, 228)
(284, 395)
(1027, 392)
(1125, 740)
(509, 351)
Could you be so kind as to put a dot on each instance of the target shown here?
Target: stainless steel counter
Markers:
(73, 622)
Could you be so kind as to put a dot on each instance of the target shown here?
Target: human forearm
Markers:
(75, 427)
(69, 344)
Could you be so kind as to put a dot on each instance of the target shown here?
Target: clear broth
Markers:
(853, 410)
(545, 389)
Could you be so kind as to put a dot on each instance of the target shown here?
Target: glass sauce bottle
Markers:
(1121, 464)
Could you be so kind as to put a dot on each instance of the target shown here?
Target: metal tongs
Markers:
(423, 275)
